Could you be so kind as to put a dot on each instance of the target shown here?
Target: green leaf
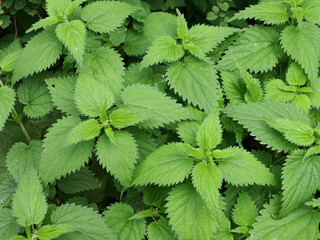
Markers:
(254, 91)
(153, 105)
(308, 52)
(40, 53)
(188, 214)
(7, 96)
(8, 225)
(196, 81)
(159, 24)
(86, 130)
(135, 43)
(242, 168)
(253, 116)
(271, 12)
(73, 35)
(294, 131)
(234, 87)
(22, 158)
(118, 219)
(257, 49)
(164, 49)
(314, 203)
(9, 56)
(302, 101)
(73, 6)
(57, 8)
(29, 203)
(160, 230)
(295, 75)
(301, 224)
(43, 23)
(245, 211)
(93, 98)
(119, 158)
(187, 131)
(82, 180)
(207, 179)
(106, 16)
(311, 11)
(276, 89)
(34, 94)
(84, 220)
(182, 26)
(168, 165)
(223, 232)
(210, 132)
(301, 179)
(122, 118)
(58, 158)
(62, 94)
(52, 231)
(105, 65)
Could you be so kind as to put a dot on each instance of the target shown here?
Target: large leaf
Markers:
(153, 105)
(188, 214)
(311, 11)
(167, 165)
(257, 49)
(301, 179)
(253, 116)
(58, 158)
(118, 219)
(307, 36)
(29, 203)
(83, 220)
(8, 226)
(7, 96)
(105, 16)
(40, 53)
(196, 81)
(119, 158)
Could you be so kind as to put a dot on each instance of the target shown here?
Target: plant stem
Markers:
(19, 121)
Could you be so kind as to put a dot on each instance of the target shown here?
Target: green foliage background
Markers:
(160, 120)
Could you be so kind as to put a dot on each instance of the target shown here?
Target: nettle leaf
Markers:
(135, 43)
(9, 56)
(311, 11)
(34, 94)
(269, 12)
(82, 180)
(245, 211)
(153, 105)
(106, 16)
(223, 229)
(210, 133)
(52, 231)
(121, 118)
(58, 158)
(93, 98)
(182, 26)
(83, 220)
(160, 230)
(22, 158)
(294, 131)
(118, 219)
(8, 225)
(253, 115)
(159, 24)
(301, 179)
(205, 38)
(164, 49)
(295, 75)
(7, 96)
(86, 130)
(62, 94)
(254, 91)
(257, 49)
(234, 87)
(40, 53)
(29, 203)
(196, 81)
(43, 23)
(242, 168)
(73, 35)
(301, 224)
(277, 89)
(207, 179)
(168, 165)
(105, 65)
(188, 214)
(302, 101)
(119, 158)
(56, 8)
(307, 55)
(187, 131)
(72, 6)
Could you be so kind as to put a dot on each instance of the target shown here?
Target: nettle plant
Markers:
(122, 122)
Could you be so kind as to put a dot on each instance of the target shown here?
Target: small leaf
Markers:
(52, 231)
(86, 130)
(244, 212)
(43, 23)
(160, 230)
(7, 96)
(122, 118)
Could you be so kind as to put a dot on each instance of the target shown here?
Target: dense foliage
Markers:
(160, 120)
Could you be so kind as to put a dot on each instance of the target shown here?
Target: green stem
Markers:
(19, 121)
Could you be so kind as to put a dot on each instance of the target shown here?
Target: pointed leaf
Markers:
(7, 96)
(160, 230)
(86, 130)
(122, 118)
(8, 225)
(245, 211)
(52, 231)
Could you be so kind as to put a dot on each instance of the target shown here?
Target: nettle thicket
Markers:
(121, 120)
